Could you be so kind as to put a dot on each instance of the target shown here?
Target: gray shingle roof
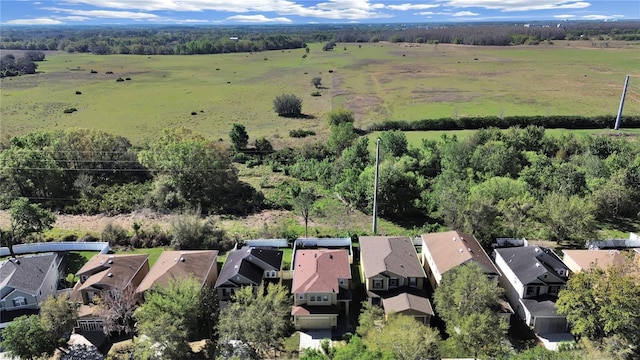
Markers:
(533, 263)
(26, 273)
(238, 264)
(396, 255)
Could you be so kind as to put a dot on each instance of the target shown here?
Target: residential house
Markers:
(444, 251)
(393, 276)
(581, 260)
(532, 278)
(248, 266)
(201, 265)
(321, 288)
(26, 281)
(103, 275)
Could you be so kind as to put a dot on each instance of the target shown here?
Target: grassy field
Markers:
(378, 81)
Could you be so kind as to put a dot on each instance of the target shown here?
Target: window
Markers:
(413, 281)
(553, 290)
(342, 281)
(531, 290)
(19, 301)
(377, 283)
(325, 297)
(300, 296)
(393, 282)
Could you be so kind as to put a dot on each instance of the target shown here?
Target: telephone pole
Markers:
(375, 189)
(624, 93)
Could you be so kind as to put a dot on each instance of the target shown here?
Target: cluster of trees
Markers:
(10, 66)
(170, 40)
(91, 171)
(517, 182)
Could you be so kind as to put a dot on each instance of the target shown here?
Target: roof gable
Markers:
(320, 270)
(407, 302)
(248, 262)
(533, 264)
(452, 248)
(113, 271)
(179, 265)
(395, 255)
(28, 273)
(587, 259)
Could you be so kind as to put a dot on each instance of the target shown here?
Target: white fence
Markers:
(322, 243)
(101, 247)
(278, 243)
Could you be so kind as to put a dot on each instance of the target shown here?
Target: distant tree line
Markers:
(10, 66)
(179, 40)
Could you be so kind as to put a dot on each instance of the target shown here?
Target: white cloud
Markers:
(37, 21)
(602, 17)
(423, 13)
(404, 7)
(520, 5)
(104, 14)
(464, 13)
(73, 18)
(564, 16)
(257, 19)
(37, 3)
(329, 9)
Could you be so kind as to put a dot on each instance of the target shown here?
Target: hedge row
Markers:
(567, 122)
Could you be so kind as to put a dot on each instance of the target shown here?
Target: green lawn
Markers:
(154, 253)
(377, 81)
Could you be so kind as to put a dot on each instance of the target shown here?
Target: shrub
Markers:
(128, 78)
(300, 133)
(70, 110)
(78, 92)
(109, 72)
(316, 93)
(93, 71)
(114, 234)
(119, 79)
(340, 116)
(263, 146)
(288, 105)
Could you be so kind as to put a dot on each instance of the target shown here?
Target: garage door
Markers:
(550, 325)
(312, 323)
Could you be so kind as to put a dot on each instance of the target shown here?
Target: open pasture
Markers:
(378, 81)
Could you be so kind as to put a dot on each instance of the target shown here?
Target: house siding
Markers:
(32, 301)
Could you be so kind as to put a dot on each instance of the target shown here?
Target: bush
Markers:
(128, 78)
(70, 110)
(119, 79)
(109, 72)
(93, 71)
(114, 234)
(78, 92)
(316, 93)
(301, 133)
(340, 116)
(288, 105)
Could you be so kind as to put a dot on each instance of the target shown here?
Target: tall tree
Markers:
(405, 338)
(239, 136)
(600, 303)
(260, 318)
(116, 309)
(26, 220)
(303, 203)
(467, 301)
(58, 316)
(26, 338)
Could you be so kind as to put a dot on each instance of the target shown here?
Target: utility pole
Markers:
(375, 189)
(624, 93)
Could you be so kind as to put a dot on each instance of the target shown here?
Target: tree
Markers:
(260, 319)
(341, 137)
(466, 300)
(566, 218)
(600, 303)
(303, 203)
(168, 318)
(316, 81)
(405, 338)
(58, 317)
(190, 232)
(239, 136)
(263, 146)
(26, 338)
(26, 219)
(393, 143)
(340, 116)
(116, 309)
(287, 105)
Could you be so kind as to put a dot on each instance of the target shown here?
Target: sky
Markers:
(234, 12)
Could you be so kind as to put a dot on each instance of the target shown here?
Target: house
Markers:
(26, 281)
(444, 251)
(102, 275)
(202, 265)
(581, 260)
(393, 276)
(247, 266)
(532, 278)
(321, 288)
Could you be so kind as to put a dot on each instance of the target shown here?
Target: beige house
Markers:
(103, 275)
(321, 288)
(202, 265)
(581, 260)
(444, 251)
(408, 304)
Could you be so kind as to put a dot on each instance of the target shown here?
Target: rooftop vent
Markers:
(182, 259)
(330, 256)
(537, 264)
(110, 261)
(109, 275)
(454, 238)
(460, 250)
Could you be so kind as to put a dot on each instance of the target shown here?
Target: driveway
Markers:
(311, 339)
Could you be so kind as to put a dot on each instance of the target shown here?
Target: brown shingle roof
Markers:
(320, 270)
(585, 259)
(396, 255)
(407, 302)
(109, 271)
(452, 248)
(180, 265)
